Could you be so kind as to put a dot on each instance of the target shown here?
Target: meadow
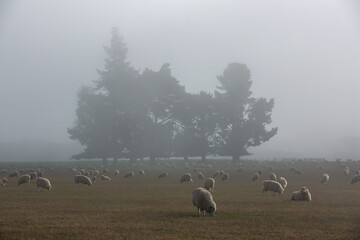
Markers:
(145, 207)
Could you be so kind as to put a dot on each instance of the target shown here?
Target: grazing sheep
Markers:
(302, 195)
(325, 178)
(355, 178)
(202, 199)
(217, 173)
(273, 176)
(130, 174)
(105, 178)
(186, 177)
(13, 174)
(200, 175)
(225, 176)
(255, 177)
(43, 183)
(4, 181)
(24, 179)
(260, 172)
(283, 182)
(163, 175)
(117, 172)
(33, 175)
(142, 172)
(82, 179)
(209, 184)
(96, 172)
(221, 173)
(271, 185)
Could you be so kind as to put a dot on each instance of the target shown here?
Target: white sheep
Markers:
(105, 178)
(33, 175)
(283, 182)
(202, 199)
(225, 176)
(302, 195)
(255, 177)
(82, 179)
(40, 174)
(116, 172)
(13, 174)
(24, 179)
(142, 172)
(43, 183)
(355, 178)
(217, 173)
(346, 171)
(273, 176)
(325, 178)
(186, 177)
(163, 175)
(260, 172)
(271, 185)
(4, 181)
(200, 175)
(209, 184)
(130, 174)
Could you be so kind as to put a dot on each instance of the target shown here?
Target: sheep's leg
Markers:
(199, 212)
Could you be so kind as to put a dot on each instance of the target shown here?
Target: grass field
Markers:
(145, 207)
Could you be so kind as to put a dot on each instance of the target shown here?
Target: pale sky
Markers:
(303, 53)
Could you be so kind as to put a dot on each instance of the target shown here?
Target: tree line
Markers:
(131, 114)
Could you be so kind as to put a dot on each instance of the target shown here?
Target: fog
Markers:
(304, 54)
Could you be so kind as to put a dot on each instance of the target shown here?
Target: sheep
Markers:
(302, 195)
(96, 172)
(255, 177)
(163, 175)
(40, 173)
(117, 172)
(225, 176)
(202, 199)
(43, 183)
(217, 173)
(271, 185)
(282, 181)
(260, 172)
(355, 178)
(325, 178)
(298, 172)
(13, 174)
(209, 184)
(82, 179)
(221, 173)
(142, 172)
(130, 174)
(93, 178)
(200, 175)
(4, 181)
(346, 171)
(33, 175)
(105, 178)
(186, 177)
(273, 176)
(24, 179)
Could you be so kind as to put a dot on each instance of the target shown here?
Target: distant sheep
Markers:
(225, 176)
(105, 178)
(13, 174)
(142, 172)
(200, 175)
(4, 181)
(355, 179)
(24, 179)
(271, 185)
(40, 174)
(163, 175)
(302, 195)
(33, 175)
(209, 184)
(260, 172)
(202, 199)
(186, 177)
(116, 172)
(82, 179)
(217, 173)
(325, 178)
(298, 172)
(273, 176)
(283, 182)
(129, 174)
(221, 173)
(93, 178)
(43, 183)
(255, 177)
(346, 171)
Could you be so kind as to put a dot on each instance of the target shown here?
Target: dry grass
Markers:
(145, 207)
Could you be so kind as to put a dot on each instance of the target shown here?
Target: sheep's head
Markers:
(280, 190)
(211, 210)
(303, 190)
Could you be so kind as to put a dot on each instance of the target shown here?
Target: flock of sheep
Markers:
(201, 197)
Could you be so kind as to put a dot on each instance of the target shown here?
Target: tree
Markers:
(242, 118)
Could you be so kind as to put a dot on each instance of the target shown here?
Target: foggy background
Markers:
(304, 54)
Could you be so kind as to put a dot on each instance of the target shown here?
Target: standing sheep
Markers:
(283, 182)
(346, 171)
(105, 178)
(255, 177)
(116, 172)
(33, 175)
(200, 175)
(202, 199)
(4, 181)
(271, 185)
(24, 179)
(82, 179)
(302, 195)
(273, 176)
(43, 183)
(209, 184)
(325, 178)
(130, 174)
(142, 172)
(186, 177)
(163, 175)
(225, 176)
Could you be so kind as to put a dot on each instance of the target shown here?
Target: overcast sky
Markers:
(303, 53)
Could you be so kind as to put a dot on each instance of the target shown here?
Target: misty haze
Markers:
(99, 98)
